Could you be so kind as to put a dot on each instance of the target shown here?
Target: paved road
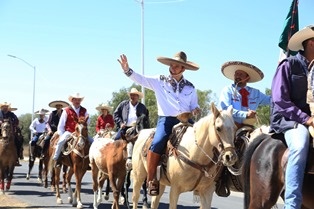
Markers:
(32, 193)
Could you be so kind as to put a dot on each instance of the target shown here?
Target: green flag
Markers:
(291, 26)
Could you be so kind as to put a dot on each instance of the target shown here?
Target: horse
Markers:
(76, 158)
(8, 154)
(196, 160)
(263, 173)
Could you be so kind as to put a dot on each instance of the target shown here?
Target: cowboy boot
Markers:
(152, 163)
(32, 150)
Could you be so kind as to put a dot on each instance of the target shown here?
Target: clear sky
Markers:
(74, 44)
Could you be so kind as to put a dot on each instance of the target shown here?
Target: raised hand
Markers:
(124, 62)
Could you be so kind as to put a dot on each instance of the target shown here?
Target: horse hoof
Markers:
(106, 197)
(59, 201)
(122, 201)
(70, 200)
(40, 180)
(79, 205)
(27, 177)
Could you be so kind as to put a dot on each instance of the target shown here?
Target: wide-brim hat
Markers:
(229, 68)
(181, 59)
(296, 40)
(12, 108)
(58, 102)
(135, 91)
(104, 106)
(75, 95)
(5, 104)
(41, 111)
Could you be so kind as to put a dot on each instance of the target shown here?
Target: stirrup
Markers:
(153, 187)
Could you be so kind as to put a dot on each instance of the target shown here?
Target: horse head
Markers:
(81, 131)
(6, 129)
(224, 129)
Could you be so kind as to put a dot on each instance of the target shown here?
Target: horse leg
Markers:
(40, 170)
(68, 181)
(9, 177)
(107, 190)
(2, 181)
(139, 178)
(145, 199)
(77, 194)
(30, 167)
(96, 187)
(156, 199)
(53, 182)
(127, 186)
(57, 181)
(206, 198)
(45, 172)
(64, 175)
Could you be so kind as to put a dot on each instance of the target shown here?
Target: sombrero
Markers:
(135, 91)
(229, 68)
(41, 111)
(58, 102)
(13, 108)
(5, 104)
(104, 106)
(295, 42)
(76, 95)
(179, 58)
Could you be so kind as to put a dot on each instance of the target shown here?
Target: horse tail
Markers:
(246, 166)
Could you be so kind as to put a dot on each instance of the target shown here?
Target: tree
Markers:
(92, 125)
(263, 112)
(24, 123)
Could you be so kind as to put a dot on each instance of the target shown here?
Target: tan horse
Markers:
(8, 155)
(76, 158)
(200, 155)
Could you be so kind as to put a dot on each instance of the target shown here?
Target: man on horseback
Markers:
(128, 111)
(174, 95)
(37, 127)
(6, 113)
(244, 99)
(53, 122)
(105, 119)
(67, 123)
(290, 114)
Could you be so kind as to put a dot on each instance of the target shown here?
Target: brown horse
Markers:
(76, 158)
(263, 174)
(108, 158)
(8, 154)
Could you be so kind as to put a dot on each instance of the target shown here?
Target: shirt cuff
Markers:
(129, 72)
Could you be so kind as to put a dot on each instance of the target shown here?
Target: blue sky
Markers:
(74, 44)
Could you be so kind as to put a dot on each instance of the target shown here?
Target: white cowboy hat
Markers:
(58, 102)
(41, 111)
(179, 58)
(229, 68)
(77, 96)
(135, 91)
(5, 104)
(295, 42)
(104, 106)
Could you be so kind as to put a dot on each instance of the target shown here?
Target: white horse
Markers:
(204, 149)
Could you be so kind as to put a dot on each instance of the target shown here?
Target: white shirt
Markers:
(132, 114)
(63, 119)
(169, 103)
(37, 127)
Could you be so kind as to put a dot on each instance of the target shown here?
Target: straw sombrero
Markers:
(229, 68)
(58, 102)
(104, 106)
(76, 95)
(135, 91)
(295, 42)
(41, 111)
(179, 58)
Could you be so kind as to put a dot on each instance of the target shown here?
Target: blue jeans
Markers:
(298, 141)
(163, 131)
(35, 139)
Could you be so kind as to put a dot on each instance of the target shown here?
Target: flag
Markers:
(291, 26)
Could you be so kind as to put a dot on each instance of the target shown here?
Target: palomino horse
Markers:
(8, 154)
(263, 174)
(76, 158)
(107, 159)
(196, 161)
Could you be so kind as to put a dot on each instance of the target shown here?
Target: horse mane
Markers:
(201, 126)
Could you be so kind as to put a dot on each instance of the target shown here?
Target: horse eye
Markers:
(218, 129)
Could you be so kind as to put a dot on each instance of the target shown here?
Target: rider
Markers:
(6, 113)
(290, 114)
(105, 119)
(37, 127)
(128, 111)
(67, 123)
(53, 122)
(244, 99)
(174, 95)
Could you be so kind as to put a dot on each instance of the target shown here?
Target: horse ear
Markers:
(230, 109)
(214, 110)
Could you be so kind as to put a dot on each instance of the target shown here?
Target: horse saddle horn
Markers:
(184, 117)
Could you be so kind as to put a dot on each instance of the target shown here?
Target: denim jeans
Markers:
(298, 141)
(35, 139)
(163, 131)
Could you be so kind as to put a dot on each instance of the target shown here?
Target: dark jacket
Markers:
(121, 113)
(53, 120)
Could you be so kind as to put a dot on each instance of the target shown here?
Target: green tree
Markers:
(263, 112)
(24, 123)
(92, 125)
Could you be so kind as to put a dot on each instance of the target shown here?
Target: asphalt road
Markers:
(36, 196)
